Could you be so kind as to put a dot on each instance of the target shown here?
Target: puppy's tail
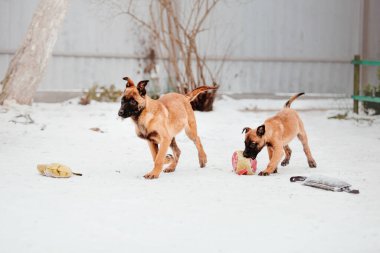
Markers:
(194, 93)
(289, 102)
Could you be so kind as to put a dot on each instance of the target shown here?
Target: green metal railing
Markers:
(366, 62)
(357, 97)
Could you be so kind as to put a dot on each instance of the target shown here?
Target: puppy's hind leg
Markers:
(173, 161)
(303, 138)
(191, 132)
(288, 154)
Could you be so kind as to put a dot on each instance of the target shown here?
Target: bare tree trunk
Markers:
(28, 65)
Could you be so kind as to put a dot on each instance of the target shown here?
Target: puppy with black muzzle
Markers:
(276, 133)
(159, 121)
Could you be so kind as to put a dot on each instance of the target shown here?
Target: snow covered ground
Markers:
(112, 208)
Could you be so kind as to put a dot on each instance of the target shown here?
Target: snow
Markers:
(112, 208)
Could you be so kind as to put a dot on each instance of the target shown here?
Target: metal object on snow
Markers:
(325, 183)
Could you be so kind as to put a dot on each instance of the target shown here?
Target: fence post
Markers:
(356, 82)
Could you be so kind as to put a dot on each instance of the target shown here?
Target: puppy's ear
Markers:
(260, 130)
(141, 87)
(246, 130)
(129, 83)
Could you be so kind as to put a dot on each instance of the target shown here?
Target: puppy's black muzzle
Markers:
(126, 114)
(251, 149)
(123, 113)
(129, 107)
(249, 153)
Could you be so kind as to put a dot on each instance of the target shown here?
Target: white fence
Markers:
(275, 45)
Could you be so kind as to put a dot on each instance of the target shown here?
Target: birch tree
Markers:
(28, 65)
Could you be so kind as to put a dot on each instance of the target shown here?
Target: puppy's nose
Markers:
(245, 154)
(121, 112)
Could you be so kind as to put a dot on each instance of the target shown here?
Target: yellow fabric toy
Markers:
(56, 170)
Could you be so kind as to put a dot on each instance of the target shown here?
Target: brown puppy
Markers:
(276, 133)
(159, 121)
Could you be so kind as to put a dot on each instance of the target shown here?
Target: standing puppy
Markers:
(276, 133)
(159, 121)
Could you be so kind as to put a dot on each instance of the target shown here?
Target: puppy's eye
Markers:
(132, 102)
(252, 145)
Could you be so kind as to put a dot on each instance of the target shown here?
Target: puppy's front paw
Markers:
(263, 173)
(202, 161)
(312, 163)
(285, 162)
(169, 169)
(151, 175)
